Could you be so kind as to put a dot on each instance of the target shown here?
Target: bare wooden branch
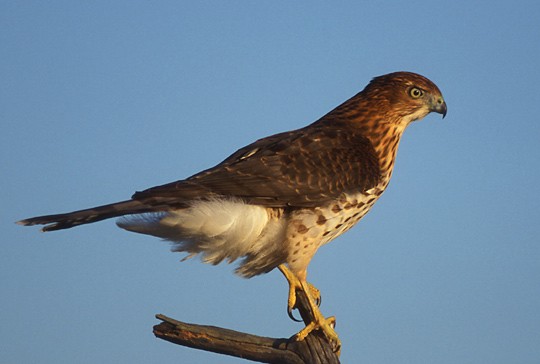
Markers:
(314, 349)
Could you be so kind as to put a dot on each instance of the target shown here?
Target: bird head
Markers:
(406, 96)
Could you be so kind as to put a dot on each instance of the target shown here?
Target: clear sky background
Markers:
(100, 99)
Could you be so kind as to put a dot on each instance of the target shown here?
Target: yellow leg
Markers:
(326, 325)
(294, 284)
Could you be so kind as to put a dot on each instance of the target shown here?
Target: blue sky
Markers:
(100, 99)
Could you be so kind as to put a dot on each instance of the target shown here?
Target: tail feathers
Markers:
(81, 217)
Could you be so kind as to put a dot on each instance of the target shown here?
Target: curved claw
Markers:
(294, 284)
(318, 299)
(319, 322)
(291, 315)
(327, 326)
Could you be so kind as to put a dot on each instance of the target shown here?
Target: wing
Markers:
(297, 168)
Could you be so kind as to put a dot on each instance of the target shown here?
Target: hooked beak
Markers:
(438, 105)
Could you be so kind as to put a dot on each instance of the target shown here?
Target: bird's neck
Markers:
(385, 138)
(383, 128)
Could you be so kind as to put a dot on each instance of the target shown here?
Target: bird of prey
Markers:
(273, 203)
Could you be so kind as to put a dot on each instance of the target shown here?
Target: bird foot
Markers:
(324, 324)
(319, 322)
(294, 285)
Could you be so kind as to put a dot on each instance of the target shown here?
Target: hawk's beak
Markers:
(438, 105)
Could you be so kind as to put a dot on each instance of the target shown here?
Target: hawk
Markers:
(273, 203)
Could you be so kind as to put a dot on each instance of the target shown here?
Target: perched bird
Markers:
(274, 202)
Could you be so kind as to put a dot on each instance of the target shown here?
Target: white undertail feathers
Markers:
(219, 229)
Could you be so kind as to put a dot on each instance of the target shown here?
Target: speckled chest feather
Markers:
(311, 228)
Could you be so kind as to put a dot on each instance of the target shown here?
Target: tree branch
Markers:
(314, 349)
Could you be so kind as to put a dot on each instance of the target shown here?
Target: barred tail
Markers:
(81, 217)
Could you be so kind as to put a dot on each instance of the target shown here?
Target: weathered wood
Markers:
(314, 349)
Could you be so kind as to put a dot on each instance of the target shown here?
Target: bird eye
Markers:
(415, 92)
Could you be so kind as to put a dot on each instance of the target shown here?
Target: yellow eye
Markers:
(415, 92)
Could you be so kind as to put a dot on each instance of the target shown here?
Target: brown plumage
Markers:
(277, 200)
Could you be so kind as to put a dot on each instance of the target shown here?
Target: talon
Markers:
(327, 328)
(292, 298)
(291, 315)
(316, 294)
(326, 325)
(294, 284)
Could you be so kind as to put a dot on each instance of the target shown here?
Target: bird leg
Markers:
(319, 322)
(294, 284)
